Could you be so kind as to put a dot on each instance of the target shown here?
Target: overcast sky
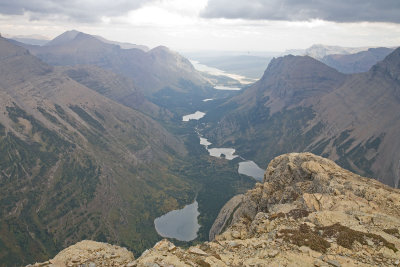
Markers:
(242, 25)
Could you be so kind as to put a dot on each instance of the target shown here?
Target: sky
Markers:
(225, 25)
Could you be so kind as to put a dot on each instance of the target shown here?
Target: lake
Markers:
(179, 224)
(204, 142)
(222, 87)
(194, 116)
(182, 224)
(250, 168)
(218, 152)
(214, 71)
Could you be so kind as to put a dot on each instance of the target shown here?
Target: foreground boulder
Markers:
(307, 212)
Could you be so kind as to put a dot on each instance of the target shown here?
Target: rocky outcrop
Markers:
(307, 212)
(225, 216)
(91, 253)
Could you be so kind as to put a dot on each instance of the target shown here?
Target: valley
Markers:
(199, 133)
(84, 156)
(129, 145)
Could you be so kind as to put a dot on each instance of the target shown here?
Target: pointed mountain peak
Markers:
(85, 36)
(63, 38)
(75, 38)
(296, 65)
(291, 79)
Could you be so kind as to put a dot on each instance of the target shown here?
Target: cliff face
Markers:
(308, 212)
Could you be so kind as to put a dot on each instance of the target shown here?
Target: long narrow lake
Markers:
(179, 224)
(227, 88)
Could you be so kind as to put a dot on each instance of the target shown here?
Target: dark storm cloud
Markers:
(80, 10)
(303, 10)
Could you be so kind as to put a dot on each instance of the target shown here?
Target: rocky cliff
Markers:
(307, 212)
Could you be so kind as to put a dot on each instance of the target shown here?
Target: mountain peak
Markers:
(300, 66)
(293, 78)
(63, 38)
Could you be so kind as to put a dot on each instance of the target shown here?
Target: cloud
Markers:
(304, 10)
(77, 10)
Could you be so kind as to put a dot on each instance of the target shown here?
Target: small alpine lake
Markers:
(180, 224)
(250, 168)
(194, 116)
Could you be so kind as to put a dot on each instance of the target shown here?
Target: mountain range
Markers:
(300, 104)
(92, 145)
(65, 151)
(319, 51)
(79, 158)
(151, 70)
(357, 62)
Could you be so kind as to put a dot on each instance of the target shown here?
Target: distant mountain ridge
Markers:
(69, 36)
(319, 51)
(123, 45)
(345, 59)
(151, 71)
(352, 119)
(358, 62)
(32, 39)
